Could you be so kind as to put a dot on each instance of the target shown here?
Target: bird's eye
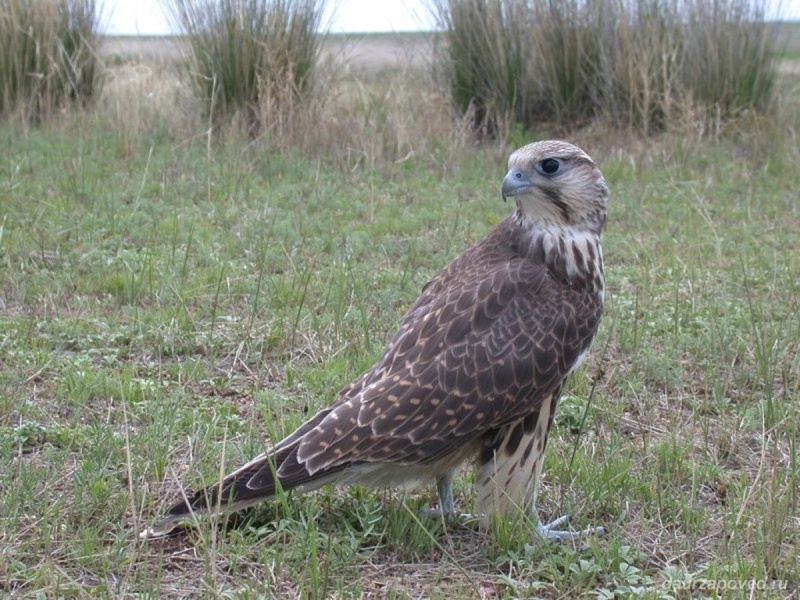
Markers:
(549, 166)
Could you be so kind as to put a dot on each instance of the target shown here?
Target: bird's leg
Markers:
(447, 508)
(550, 530)
(444, 485)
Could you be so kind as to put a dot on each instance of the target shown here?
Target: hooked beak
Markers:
(516, 181)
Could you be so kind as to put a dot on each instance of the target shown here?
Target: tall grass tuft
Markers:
(485, 60)
(729, 58)
(643, 64)
(250, 54)
(636, 82)
(47, 54)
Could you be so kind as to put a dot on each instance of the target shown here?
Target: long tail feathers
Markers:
(254, 482)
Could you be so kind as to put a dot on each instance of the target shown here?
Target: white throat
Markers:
(573, 254)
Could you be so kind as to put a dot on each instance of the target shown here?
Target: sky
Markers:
(144, 17)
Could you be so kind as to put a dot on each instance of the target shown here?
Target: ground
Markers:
(174, 298)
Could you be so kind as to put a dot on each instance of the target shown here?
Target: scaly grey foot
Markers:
(549, 531)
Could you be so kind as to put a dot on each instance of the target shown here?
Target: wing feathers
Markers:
(467, 353)
(487, 342)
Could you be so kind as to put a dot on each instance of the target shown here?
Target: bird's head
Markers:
(556, 184)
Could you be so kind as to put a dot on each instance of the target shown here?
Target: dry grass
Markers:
(251, 57)
(371, 115)
(142, 98)
(645, 65)
(47, 55)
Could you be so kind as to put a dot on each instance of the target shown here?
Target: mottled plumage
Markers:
(477, 366)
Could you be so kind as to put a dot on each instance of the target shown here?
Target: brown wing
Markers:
(452, 276)
(482, 350)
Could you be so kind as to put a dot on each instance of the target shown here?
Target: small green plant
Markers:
(47, 54)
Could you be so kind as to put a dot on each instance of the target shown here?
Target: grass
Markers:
(170, 302)
(253, 57)
(643, 65)
(47, 55)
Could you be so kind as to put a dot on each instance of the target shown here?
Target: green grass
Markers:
(169, 304)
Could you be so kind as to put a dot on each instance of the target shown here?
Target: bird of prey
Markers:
(476, 368)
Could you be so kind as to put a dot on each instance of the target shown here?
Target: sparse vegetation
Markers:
(47, 55)
(169, 300)
(642, 64)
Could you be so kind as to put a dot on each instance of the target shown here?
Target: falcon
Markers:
(474, 372)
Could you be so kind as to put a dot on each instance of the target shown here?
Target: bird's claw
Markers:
(549, 531)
